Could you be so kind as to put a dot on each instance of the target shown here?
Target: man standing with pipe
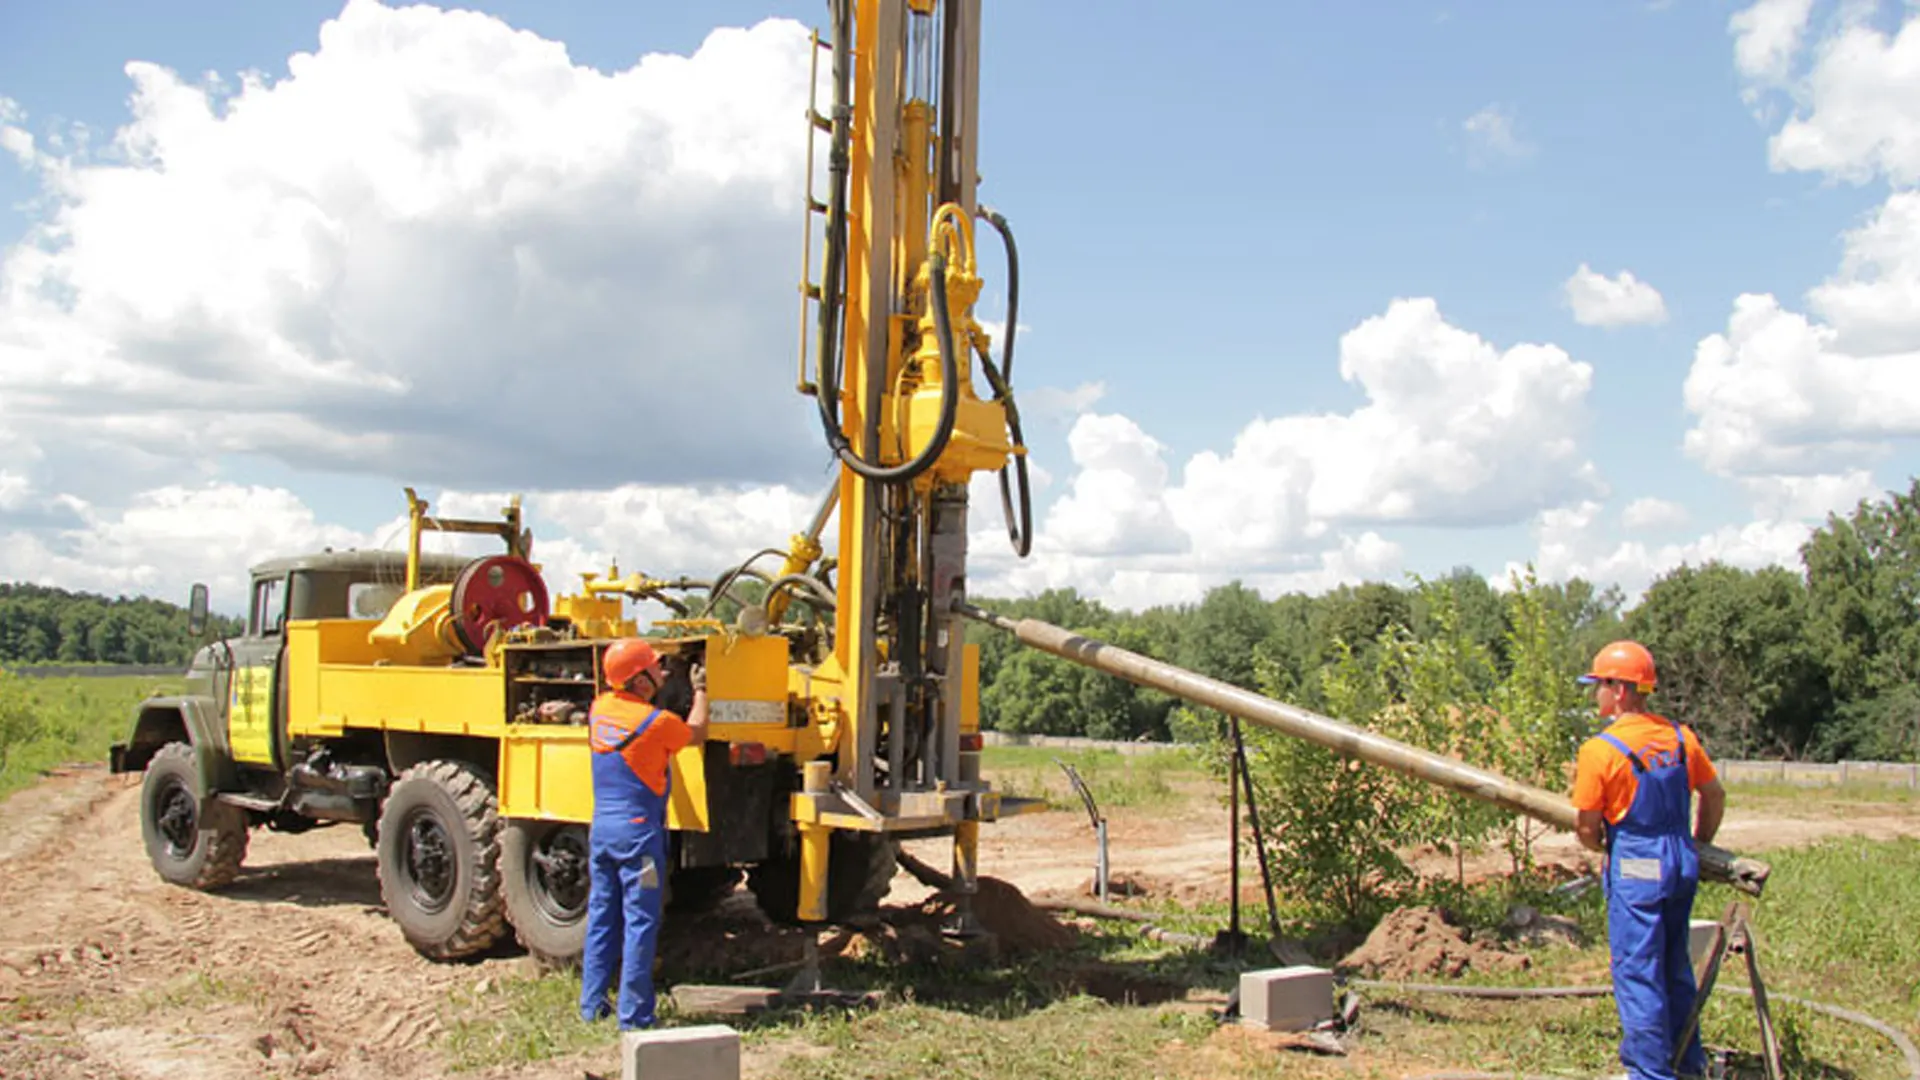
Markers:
(1633, 790)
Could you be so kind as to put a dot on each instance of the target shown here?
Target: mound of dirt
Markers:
(1423, 941)
(1005, 911)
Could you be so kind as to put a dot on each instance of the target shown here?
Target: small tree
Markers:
(1541, 709)
(1336, 825)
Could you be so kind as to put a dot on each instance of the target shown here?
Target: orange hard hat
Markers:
(1624, 661)
(626, 659)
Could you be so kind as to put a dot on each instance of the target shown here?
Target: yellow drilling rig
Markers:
(440, 701)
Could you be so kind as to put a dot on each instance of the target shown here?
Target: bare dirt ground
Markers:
(107, 973)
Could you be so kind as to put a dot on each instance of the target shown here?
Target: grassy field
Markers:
(1154, 778)
(1835, 927)
(69, 719)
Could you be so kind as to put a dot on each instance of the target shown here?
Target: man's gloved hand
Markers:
(698, 677)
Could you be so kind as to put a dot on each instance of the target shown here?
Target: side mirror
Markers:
(197, 610)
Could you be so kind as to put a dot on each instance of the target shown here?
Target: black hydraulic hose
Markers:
(839, 163)
(1894, 1035)
(839, 159)
(992, 217)
(726, 580)
(817, 594)
(1020, 524)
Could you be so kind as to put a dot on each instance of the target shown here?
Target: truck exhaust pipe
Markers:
(1716, 864)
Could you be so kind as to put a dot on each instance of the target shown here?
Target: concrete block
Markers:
(1700, 934)
(708, 1052)
(1286, 999)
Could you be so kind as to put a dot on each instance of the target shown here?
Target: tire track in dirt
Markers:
(295, 968)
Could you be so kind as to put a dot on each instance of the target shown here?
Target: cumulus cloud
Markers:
(428, 241)
(1492, 136)
(1767, 37)
(1571, 543)
(1651, 513)
(1860, 114)
(1780, 393)
(1061, 403)
(1621, 300)
(1454, 432)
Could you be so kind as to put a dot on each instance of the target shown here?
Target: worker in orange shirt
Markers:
(633, 742)
(1633, 789)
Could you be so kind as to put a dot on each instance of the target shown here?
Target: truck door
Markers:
(251, 702)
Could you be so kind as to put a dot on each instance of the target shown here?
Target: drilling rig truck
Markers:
(440, 702)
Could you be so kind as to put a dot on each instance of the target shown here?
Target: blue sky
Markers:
(1209, 199)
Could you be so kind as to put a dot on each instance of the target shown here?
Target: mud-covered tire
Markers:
(439, 859)
(191, 839)
(693, 889)
(544, 875)
(860, 869)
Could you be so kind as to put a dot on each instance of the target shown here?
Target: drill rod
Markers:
(1716, 864)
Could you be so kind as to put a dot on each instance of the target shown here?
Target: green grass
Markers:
(1836, 797)
(69, 719)
(1152, 779)
(521, 1021)
(1835, 927)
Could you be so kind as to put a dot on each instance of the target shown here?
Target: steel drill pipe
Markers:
(1716, 864)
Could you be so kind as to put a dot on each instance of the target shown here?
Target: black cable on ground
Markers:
(1887, 1031)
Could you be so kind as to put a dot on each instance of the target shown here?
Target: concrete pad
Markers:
(1700, 934)
(708, 1052)
(1286, 999)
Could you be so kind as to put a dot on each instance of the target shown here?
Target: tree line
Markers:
(40, 624)
(1819, 663)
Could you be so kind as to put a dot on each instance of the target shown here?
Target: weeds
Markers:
(59, 720)
(1150, 779)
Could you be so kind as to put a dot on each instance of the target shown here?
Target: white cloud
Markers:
(1492, 135)
(430, 238)
(1650, 513)
(1060, 404)
(1571, 544)
(1454, 432)
(1784, 394)
(1767, 37)
(1810, 498)
(1622, 300)
(1860, 114)
(1773, 395)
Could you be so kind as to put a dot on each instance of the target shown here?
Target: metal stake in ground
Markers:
(1259, 837)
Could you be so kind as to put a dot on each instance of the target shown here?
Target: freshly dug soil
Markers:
(1006, 912)
(1418, 942)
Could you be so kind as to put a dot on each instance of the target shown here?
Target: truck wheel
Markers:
(544, 870)
(860, 868)
(439, 852)
(693, 889)
(191, 839)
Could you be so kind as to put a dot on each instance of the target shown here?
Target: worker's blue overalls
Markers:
(627, 861)
(1653, 871)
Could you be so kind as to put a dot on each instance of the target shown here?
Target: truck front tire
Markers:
(191, 839)
(439, 859)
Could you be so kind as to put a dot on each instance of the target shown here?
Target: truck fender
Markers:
(192, 720)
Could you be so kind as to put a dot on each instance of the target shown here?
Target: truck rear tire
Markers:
(192, 840)
(860, 869)
(439, 859)
(544, 870)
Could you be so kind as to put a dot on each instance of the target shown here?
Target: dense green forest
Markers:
(41, 625)
(1817, 665)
